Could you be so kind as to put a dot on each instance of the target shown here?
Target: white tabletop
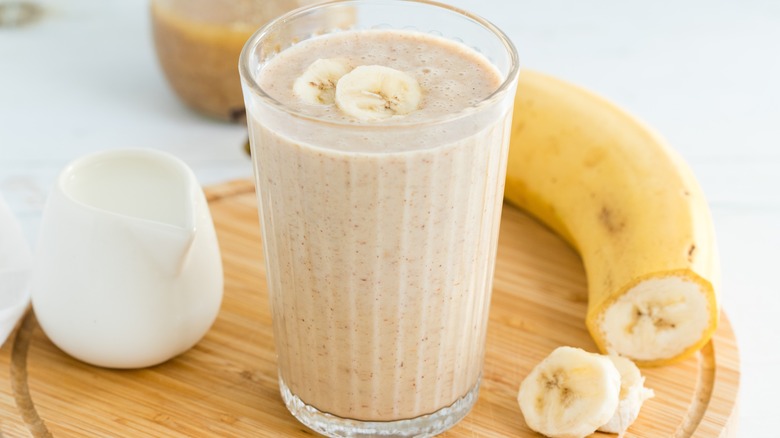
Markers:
(704, 73)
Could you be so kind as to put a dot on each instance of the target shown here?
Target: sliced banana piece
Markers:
(375, 92)
(317, 85)
(570, 393)
(632, 394)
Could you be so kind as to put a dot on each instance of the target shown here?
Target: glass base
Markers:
(423, 426)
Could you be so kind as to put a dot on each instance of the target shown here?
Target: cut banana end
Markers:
(375, 92)
(317, 85)
(570, 394)
(632, 394)
(656, 320)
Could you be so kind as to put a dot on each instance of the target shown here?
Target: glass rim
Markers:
(249, 79)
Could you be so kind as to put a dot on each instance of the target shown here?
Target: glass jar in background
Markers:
(198, 43)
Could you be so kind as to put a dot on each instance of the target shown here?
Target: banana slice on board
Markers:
(375, 92)
(632, 394)
(570, 394)
(317, 85)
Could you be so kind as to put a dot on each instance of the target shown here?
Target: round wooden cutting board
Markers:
(226, 385)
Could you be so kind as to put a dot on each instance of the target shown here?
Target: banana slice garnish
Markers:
(375, 92)
(570, 394)
(317, 85)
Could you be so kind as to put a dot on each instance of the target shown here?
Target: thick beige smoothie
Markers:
(380, 237)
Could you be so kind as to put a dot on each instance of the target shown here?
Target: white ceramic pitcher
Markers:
(127, 271)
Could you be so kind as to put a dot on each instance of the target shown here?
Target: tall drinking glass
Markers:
(380, 235)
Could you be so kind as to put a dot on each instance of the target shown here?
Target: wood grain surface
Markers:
(227, 385)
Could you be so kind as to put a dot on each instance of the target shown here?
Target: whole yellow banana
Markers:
(632, 209)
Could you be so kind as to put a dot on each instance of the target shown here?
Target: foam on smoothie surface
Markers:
(451, 75)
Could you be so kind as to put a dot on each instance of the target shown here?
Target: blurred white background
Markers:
(705, 74)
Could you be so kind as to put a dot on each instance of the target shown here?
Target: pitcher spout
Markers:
(166, 247)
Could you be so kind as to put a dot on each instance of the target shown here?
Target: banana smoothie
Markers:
(380, 180)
